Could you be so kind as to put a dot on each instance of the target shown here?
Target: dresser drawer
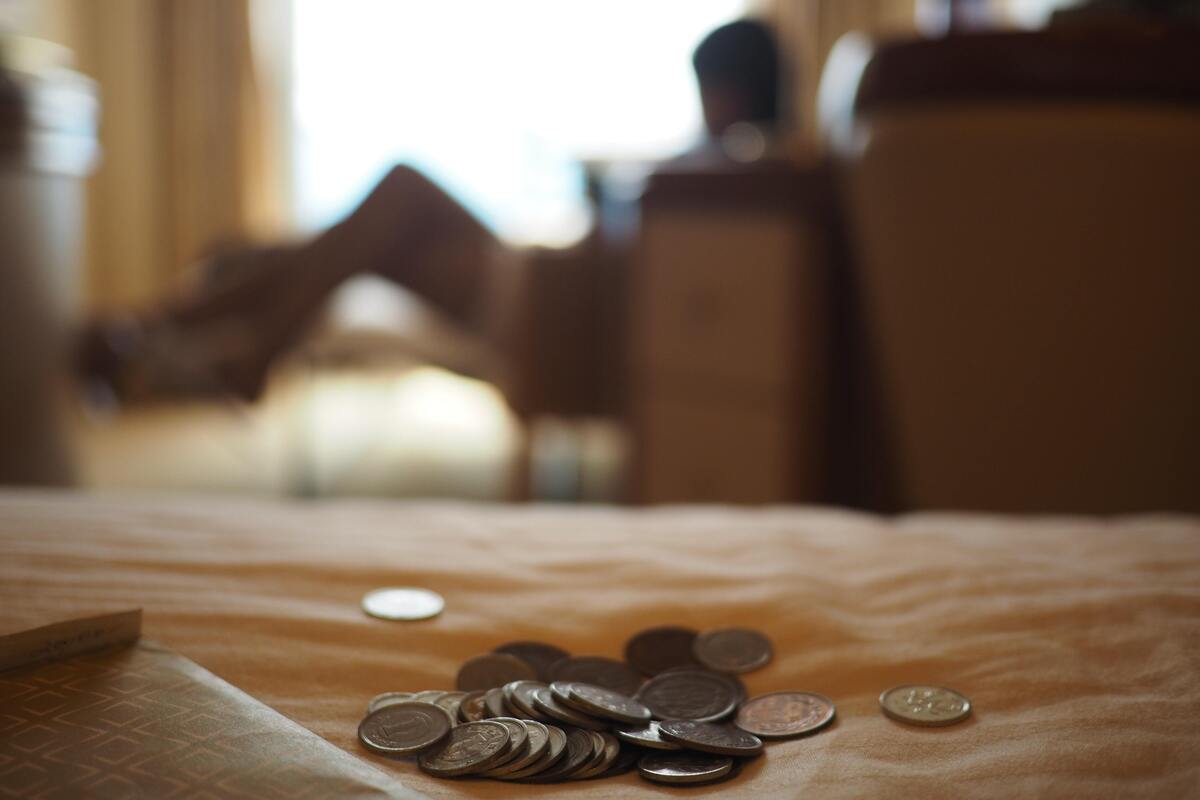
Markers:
(719, 295)
(691, 452)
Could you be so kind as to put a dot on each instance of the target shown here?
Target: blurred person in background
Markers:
(240, 311)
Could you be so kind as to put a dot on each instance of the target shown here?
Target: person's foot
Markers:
(126, 361)
(218, 338)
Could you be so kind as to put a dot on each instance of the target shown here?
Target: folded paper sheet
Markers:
(142, 721)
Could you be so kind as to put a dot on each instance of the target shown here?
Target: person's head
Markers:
(737, 68)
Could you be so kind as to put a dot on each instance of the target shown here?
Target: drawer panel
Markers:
(719, 294)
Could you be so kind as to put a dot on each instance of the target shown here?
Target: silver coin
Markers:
(556, 749)
(537, 744)
(928, 706)
(492, 670)
(387, 699)
(403, 603)
(733, 649)
(684, 767)
(519, 695)
(689, 694)
(646, 737)
(470, 748)
(601, 702)
(404, 728)
(655, 650)
(779, 715)
(539, 655)
(598, 671)
(543, 701)
(709, 737)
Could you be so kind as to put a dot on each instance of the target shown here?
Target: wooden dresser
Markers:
(730, 336)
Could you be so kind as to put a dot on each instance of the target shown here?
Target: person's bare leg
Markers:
(407, 229)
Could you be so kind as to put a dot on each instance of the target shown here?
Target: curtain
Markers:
(808, 30)
(184, 169)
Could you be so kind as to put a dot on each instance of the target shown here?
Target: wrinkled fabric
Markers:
(1078, 640)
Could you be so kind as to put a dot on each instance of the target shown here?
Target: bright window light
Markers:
(496, 100)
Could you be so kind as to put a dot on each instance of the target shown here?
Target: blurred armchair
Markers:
(1024, 211)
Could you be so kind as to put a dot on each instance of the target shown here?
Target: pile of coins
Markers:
(674, 709)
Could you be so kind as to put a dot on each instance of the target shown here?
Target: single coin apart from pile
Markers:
(403, 603)
(928, 706)
(780, 715)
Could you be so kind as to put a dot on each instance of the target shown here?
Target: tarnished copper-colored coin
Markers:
(450, 701)
(603, 754)
(647, 736)
(538, 655)
(581, 749)
(627, 758)
(779, 715)
(492, 670)
(598, 671)
(470, 748)
(472, 709)
(657, 649)
(708, 737)
(494, 705)
(556, 749)
(387, 699)
(601, 702)
(928, 706)
(689, 694)
(684, 767)
(544, 701)
(733, 649)
(404, 728)
(537, 742)
(519, 696)
(608, 748)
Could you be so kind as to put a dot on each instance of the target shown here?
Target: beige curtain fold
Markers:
(183, 168)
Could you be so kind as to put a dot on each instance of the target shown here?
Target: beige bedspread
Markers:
(1078, 640)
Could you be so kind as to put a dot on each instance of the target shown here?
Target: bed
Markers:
(1077, 639)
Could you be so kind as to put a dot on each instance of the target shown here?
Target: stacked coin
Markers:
(674, 709)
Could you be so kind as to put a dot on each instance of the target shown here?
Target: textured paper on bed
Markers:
(143, 721)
